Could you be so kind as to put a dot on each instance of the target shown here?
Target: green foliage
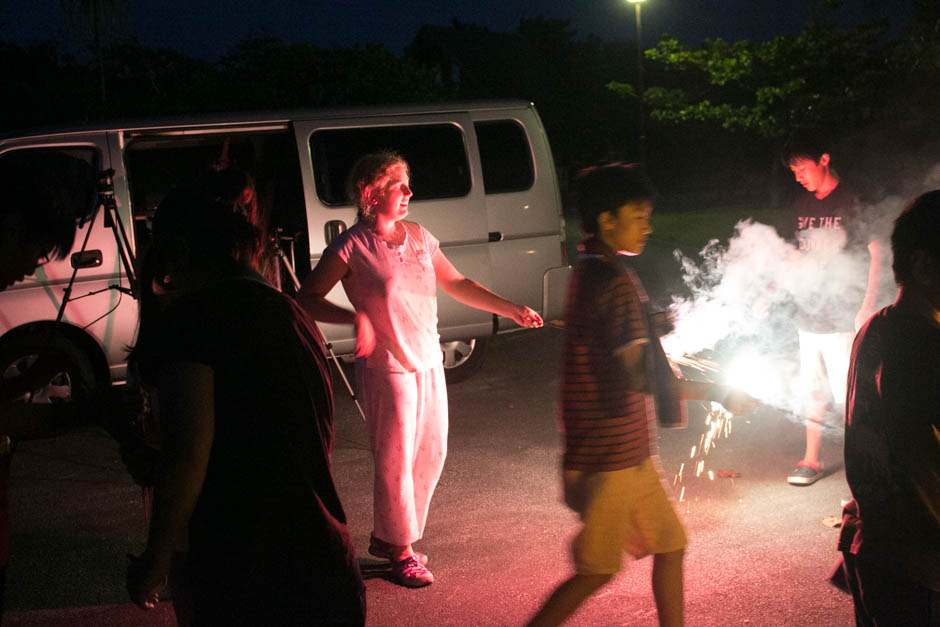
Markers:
(826, 76)
(260, 73)
(303, 75)
(691, 230)
(624, 90)
(34, 82)
(544, 62)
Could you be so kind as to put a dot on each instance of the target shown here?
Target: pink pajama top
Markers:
(396, 288)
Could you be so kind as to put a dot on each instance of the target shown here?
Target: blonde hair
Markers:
(367, 174)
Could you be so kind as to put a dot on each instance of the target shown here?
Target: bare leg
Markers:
(814, 419)
(397, 553)
(567, 598)
(813, 442)
(667, 588)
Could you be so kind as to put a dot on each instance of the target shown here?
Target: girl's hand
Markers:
(526, 317)
(365, 335)
(144, 581)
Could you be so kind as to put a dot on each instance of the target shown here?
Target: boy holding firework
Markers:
(614, 366)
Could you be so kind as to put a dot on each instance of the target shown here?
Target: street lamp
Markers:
(637, 4)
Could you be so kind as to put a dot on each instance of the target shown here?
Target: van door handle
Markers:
(333, 228)
(85, 259)
(496, 236)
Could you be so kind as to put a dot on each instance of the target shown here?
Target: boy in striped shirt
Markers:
(612, 476)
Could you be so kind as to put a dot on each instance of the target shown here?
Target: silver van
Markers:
(484, 184)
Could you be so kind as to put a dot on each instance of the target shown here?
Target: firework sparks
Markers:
(771, 378)
(698, 364)
(717, 425)
(745, 370)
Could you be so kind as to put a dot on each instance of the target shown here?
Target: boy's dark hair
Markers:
(917, 228)
(609, 187)
(804, 144)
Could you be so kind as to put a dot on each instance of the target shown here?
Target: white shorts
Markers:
(824, 366)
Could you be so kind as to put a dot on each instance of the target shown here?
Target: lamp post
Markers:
(637, 4)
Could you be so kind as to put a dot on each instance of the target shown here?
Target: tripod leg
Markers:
(329, 347)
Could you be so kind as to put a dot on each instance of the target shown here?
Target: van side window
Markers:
(436, 153)
(505, 156)
(39, 159)
(157, 163)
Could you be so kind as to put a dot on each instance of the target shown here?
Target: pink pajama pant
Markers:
(406, 414)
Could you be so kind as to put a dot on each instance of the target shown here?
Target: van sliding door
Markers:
(523, 207)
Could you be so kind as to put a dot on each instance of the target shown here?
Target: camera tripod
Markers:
(287, 266)
(104, 201)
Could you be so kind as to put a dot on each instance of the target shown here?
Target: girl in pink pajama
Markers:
(390, 269)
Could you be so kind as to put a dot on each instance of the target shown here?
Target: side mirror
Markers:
(86, 259)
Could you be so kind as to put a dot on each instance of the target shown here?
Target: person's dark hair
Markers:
(193, 229)
(917, 228)
(194, 233)
(366, 172)
(804, 144)
(607, 188)
(233, 186)
(47, 191)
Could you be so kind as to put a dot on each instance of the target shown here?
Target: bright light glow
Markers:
(635, 1)
(754, 373)
(745, 291)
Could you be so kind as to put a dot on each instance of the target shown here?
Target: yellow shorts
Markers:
(623, 510)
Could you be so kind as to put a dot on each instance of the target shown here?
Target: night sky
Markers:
(208, 28)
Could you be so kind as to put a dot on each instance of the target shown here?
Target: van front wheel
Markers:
(43, 367)
(462, 358)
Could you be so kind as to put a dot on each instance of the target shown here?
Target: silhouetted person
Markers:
(890, 538)
(245, 413)
(42, 196)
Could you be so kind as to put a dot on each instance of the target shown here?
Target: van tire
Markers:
(463, 358)
(73, 376)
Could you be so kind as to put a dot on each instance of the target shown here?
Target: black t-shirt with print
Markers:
(833, 242)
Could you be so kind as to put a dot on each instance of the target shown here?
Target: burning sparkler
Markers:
(745, 373)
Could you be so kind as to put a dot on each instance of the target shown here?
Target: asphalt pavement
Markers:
(498, 534)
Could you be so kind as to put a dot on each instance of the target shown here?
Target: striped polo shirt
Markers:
(606, 425)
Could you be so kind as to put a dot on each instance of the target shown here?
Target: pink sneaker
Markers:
(411, 573)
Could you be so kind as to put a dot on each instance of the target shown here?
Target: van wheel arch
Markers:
(462, 358)
(82, 368)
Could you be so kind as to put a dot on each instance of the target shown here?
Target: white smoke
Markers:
(744, 296)
(747, 293)
(932, 180)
